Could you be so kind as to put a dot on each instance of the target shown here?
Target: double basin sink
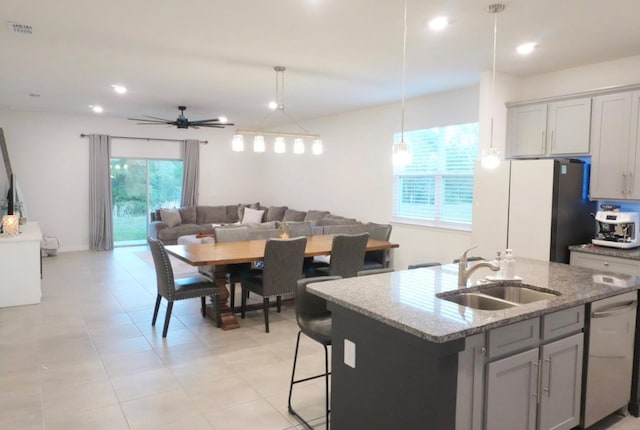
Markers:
(497, 296)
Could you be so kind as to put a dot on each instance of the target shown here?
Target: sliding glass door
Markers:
(139, 186)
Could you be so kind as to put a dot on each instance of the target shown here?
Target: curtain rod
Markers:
(148, 138)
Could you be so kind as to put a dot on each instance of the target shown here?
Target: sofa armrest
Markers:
(155, 227)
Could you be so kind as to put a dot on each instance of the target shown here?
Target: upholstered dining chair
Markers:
(314, 320)
(176, 289)
(347, 256)
(377, 259)
(282, 269)
(235, 271)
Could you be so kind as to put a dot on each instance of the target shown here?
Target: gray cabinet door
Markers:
(610, 139)
(527, 126)
(512, 390)
(569, 126)
(561, 382)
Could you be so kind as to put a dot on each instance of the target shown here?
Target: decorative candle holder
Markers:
(10, 225)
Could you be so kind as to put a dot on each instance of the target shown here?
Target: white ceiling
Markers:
(217, 57)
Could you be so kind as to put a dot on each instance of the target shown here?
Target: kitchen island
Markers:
(397, 346)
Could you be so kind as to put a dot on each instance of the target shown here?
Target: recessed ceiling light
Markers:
(96, 108)
(526, 48)
(120, 89)
(439, 23)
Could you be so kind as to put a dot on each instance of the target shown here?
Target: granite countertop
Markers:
(631, 254)
(407, 299)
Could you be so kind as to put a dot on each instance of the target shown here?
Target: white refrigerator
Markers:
(538, 208)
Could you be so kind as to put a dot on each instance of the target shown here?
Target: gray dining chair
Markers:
(235, 272)
(176, 289)
(347, 256)
(282, 269)
(314, 320)
(377, 259)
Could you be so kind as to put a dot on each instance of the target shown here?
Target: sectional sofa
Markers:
(169, 224)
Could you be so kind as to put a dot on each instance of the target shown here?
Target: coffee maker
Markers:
(617, 229)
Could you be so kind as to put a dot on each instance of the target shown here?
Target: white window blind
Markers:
(437, 187)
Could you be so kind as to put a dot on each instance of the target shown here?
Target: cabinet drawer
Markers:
(562, 323)
(514, 337)
(609, 264)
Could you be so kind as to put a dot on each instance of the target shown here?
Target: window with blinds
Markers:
(437, 187)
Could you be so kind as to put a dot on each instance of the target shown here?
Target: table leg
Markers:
(219, 309)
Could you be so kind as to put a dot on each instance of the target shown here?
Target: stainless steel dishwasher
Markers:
(610, 357)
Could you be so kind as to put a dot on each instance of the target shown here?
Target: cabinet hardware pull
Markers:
(538, 380)
(615, 310)
(548, 389)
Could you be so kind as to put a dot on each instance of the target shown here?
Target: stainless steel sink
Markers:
(478, 301)
(498, 296)
(520, 294)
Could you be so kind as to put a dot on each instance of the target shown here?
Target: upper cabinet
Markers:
(549, 129)
(615, 141)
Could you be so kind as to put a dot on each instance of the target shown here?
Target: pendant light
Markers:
(279, 144)
(491, 155)
(401, 150)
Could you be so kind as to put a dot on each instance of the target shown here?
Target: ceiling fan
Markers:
(183, 122)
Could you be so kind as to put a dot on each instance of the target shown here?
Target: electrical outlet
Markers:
(349, 353)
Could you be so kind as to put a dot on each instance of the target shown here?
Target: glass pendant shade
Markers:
(258, 144)
(490, 158)
(316, 148)
(279, 146)
(401, 154)
(298, 146)
(237, 144)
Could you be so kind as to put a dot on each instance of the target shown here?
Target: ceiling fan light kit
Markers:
(279, 144)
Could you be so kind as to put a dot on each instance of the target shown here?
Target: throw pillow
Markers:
(241, 207)
(171, 217)
(293, 215)
(252, 216)
(188, 214)
(313, 215)
(276, 213)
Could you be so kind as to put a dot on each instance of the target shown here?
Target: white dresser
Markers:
(20, 267)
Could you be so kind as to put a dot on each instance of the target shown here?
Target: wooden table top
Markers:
(253, 250)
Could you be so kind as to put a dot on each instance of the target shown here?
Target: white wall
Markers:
(51, 164)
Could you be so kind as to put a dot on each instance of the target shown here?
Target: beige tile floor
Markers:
(88, 358)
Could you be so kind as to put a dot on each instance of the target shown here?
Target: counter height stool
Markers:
(176, 289)
(314, 320)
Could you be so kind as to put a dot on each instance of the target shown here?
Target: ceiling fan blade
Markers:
(213, 125)
(207, 120)
(155, 117)
(151, 123)
(154, 121)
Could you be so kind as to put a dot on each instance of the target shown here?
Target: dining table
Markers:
(221, 255)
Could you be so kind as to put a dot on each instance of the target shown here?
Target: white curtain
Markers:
(191, 166)
(100, 204)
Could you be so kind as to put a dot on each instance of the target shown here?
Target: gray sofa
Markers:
(201, 219)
